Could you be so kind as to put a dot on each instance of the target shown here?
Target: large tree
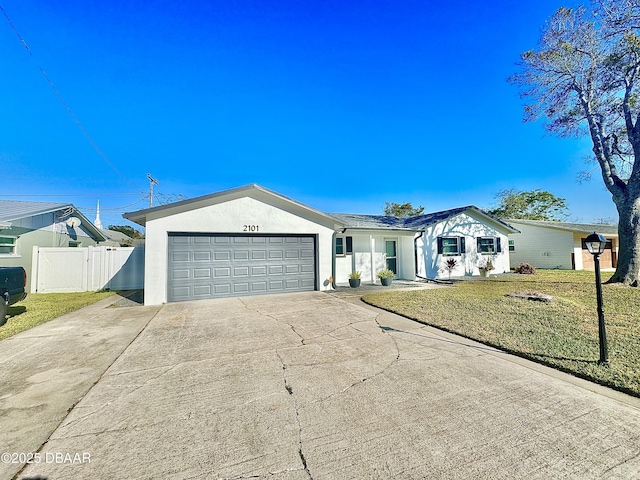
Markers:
(402, 209)
(583, 78)
(530, 205)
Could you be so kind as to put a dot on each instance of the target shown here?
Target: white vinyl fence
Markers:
(65, 269)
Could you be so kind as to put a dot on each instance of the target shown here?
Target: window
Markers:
(344, 245)
(489, 245)
(349, 244)
(512, 245)
(449, 246)
(8, 245)
(74, 244)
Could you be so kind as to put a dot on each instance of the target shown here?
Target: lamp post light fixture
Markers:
(596, 244)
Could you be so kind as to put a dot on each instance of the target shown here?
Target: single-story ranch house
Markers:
(251, 240)
(24, 225)
(561, 245)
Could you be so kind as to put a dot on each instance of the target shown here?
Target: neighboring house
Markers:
(548, 244)
(117, 238)
(251, 240)
(24, 225)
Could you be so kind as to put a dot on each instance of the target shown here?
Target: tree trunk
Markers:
(628, 269)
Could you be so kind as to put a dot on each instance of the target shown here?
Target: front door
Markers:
(391, 255)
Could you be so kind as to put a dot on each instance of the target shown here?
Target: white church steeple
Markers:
(98, 222)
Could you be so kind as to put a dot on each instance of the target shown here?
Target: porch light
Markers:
(596, 244)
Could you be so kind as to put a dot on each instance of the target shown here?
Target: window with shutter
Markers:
(487, 245)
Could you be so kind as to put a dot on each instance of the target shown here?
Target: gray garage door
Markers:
(212, 266)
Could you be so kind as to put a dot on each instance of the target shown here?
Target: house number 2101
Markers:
(250, 228)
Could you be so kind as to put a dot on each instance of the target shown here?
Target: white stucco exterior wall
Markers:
(369, 255)
(430, 263)
(228, 217)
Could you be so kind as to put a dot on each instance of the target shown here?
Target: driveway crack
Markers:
(395, 360)
(293, 329)
(289, 390)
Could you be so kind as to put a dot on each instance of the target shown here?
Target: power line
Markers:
(71, 195)
(67, 107)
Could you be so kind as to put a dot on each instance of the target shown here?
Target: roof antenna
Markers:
(152, 182)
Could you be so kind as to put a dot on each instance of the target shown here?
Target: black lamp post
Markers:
(596, 244)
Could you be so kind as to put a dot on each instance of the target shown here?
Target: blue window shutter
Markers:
(462, 245)
(439, 245)
(498, 246)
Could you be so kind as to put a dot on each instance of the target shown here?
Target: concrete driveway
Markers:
(312, 386)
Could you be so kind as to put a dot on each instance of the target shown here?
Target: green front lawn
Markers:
(562, 333)
(39, 308)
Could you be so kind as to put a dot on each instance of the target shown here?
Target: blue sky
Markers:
(339, 105)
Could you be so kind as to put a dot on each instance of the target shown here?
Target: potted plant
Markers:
(354, 279)
(386, 276)
(485, 270)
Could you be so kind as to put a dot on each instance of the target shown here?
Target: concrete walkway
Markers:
(312, 386)
(45, 371)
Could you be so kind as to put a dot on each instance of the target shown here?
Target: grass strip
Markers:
(39, 308)
(562, 333)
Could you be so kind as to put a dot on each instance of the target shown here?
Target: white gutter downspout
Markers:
(372, 244)
(415, 248)
(333, 260)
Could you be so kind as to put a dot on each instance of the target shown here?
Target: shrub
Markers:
(525, 269)
(386, 273)
(450, 265)
(354, 275)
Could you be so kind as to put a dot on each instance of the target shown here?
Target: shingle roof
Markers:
(608, 229)
(14, 210)
(11, 210)
(409, 223)
(352, 220)
(115, 235)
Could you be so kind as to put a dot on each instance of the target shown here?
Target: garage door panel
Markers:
(222, 272)
(222, 256)
(202, 240)
(211, 266)
(291, 269)
(181, 257)
(240, 272)
(241, 287)
(310, 269)
(259, 287)
(241, 255)
(292, 284)
(180, 274)
(202, 256)
(202, 273)
(180, 291)
(202, 291)
(222, 289)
